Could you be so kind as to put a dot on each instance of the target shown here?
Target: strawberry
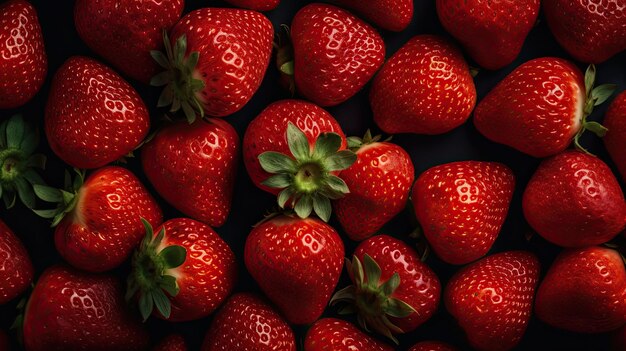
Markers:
(71, 310)
(124, 33)
(247, 323)
(492, 32)
(185, 270)
(16, 269)
(393, 291)
(214, 62)
(379, 183)
(436, 97)
(615, 139)
(257, 5)
(591, 209)
(194, 167)
(23, 60)
(590, 31)
(541, 106)
(492, 299)
(297, 263)
(461, 207)
(432, 346)
(330, 334)
(584, 291)
(98, 219)
(172, 342)
(93, 116)
(393, 15)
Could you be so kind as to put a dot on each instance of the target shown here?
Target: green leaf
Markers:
(354, 142)
(180, 49)
(168, 283)
(278, 181)
(48, 194)
(304, 206)
(285, 195)
(275, 162)
(162, 303)
(173, 256)
(46, 213)
(298, 143)
(357, 271)
(67, 180)
(398, 308)
(192, 62)
(590, 78)
(25, 192)
(288, 68)
(391, 285)
(57, 219)
(78, 180)
(347, 294)
(146, 304)
(67, 197)
(160, 58)
(15, 132)
(339, 161)
(30, 141)
(162, 79)
(602, 93)
(596, 128)
(32, 177)
(148, 229)
(337, 185)
(372, 271)
(322, 207)
(190, 113)
(167, 96)
(9, 199)
(326, 145)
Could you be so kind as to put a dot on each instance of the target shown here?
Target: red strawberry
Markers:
(438, 96)
(98, 219)
(584, 291)
(257, 5)
(194, 167)
(492, 32)
(492, 299)
(172, 342)
(330, 334)
(16, 269)
(432, 346)
(71, 310)
(394, 15)
(590, 210)
(215, 61)
(184, 269)
(615, 139)
(461, 207)
(297, 263)
(93, 116)
(379, 183)
(23, 61)
(124, 33)
(393, 292)
(247, 323)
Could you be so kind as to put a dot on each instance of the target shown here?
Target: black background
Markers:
(251, 204)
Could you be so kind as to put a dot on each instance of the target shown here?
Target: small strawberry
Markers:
(172, 342)
(93, 116)
(492, 299)
(461, 207)
(23, 60)
(257, 5)
(438, 96)
(590, 210)
(432, 346)
(194, 167)
(330, 334)
(393, 15)
(16, 269)
(247, 323)
(297, 263)
(615, 139)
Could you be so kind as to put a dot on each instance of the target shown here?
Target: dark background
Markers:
(250, 204)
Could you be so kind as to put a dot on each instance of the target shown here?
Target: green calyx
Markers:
(355, 143)
(306, 177)
(181, 87)
(149, 278)
(285, 58)
(372, 299)
(66, 198)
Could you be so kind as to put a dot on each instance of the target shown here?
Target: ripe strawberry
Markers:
(330, 334)
(297, 263)
(591, 209)
(461, 207)
(70, 310)
(438, 96)
(194, 167)
(247, 323)
(98, 219)
(379, 183)
(584, 291)
(432, 346)
(492, 299)
(172, 342)
(23, 61)
(615, 139)
(215, 61)
(393, 292)
(93, 116)
(16, 269)
(124, 33)
(394, 15)
(257, 5)
(492, 32)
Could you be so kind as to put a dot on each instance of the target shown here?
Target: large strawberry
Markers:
(393, 291)
(16, 269)
(172, 342)
(330, 334)
(93, 116)
(297, 263)
(394, 15)
(257, 5)
(461, 207)
(492, 32)
(437, 96)
(432, 346)
(492, 299)
(590, 210)
(215, 61)
(379, 183)
(98, 219)
(584, 291)
(124, 32)
(247, 323)
(71, 310)
(615, 139)
(194, 166)
(23, 61)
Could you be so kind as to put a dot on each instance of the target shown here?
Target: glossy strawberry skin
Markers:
(23, 60)
(461, 207)
(615, 139)
(330, 334)
(493, 32)
(16, 268)
(172, 342)
(584, 291)
(194, 167)
(257, 5)
(433, 99)
(248, 323)
(393, 15)
(492, 299)
(297, 263)
(93, 116)
(65, 298)
(591, 209)
(537, 109)
(432, 346)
